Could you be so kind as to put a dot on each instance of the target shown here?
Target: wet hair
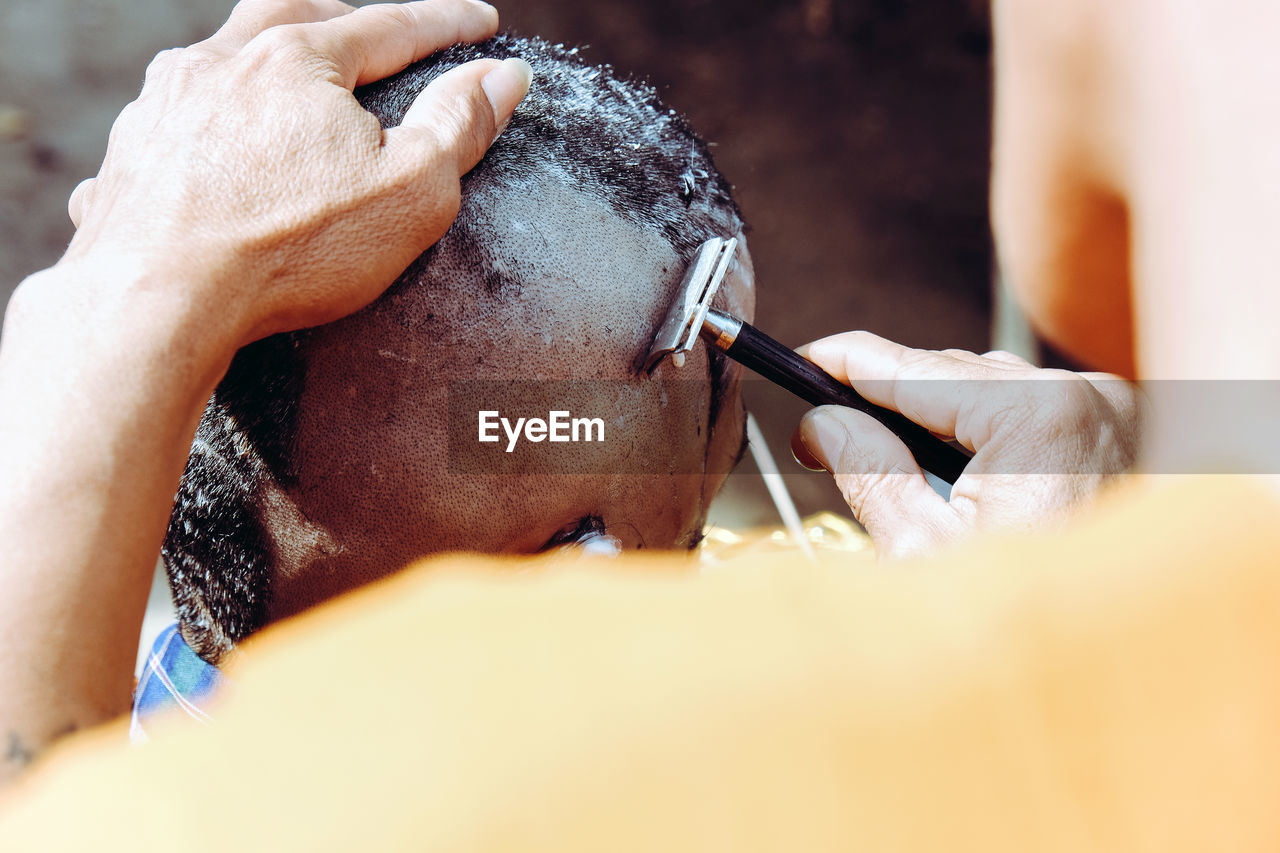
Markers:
(611, 138)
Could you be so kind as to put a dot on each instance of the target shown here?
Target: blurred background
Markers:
(857, 134)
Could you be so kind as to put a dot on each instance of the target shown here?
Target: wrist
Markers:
(126, 310)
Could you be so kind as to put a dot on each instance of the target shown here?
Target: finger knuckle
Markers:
(854, 491)
(463, 126)
(80, 200)
(288, 52)
(121, 126)
(1071, 393)
(855, 338)
(161, 64)
(178, 64)
(434, 195)
(444, 195)
(399, 16)
(255, 16)
(314, 10)
(1064, 399)
(282, 43)
(864, 492)
(1126, 400)
(916, 362)
(270, 11)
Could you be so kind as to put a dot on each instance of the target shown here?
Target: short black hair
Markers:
(613, 139)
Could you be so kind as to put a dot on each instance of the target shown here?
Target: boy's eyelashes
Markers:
(584, 529)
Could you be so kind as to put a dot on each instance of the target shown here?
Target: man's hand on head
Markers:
(245, 192)
(247, 177)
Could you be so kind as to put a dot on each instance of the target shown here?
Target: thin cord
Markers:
(777, 488)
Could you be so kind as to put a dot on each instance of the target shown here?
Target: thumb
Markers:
(879, 479)
(464, 110)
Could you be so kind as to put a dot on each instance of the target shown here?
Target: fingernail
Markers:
(505, 86)
(801, 454)
(825, 437)
(803, 351)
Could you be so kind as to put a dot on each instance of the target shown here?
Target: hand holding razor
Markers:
(691, 316)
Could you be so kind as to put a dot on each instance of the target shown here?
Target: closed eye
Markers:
(587, 527)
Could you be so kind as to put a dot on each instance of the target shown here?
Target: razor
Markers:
(691, 317)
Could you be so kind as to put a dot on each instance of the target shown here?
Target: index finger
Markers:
(374, 42)
(251, 17)
(939, 391)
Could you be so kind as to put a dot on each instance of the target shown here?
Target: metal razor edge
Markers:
(680, 328)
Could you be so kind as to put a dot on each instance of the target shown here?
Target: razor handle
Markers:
(754, 349)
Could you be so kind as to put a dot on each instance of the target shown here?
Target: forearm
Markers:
(102, 381)
(186, 248)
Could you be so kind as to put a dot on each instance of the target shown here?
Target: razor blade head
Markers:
(679, 331)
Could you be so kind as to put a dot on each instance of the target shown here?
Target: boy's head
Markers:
(324, 459)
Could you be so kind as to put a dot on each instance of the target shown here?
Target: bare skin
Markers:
(109, 356)
(1044, 441)
(1191, 249)
(1134, 205)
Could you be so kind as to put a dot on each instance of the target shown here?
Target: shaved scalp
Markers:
(615, 138)
(606, 138)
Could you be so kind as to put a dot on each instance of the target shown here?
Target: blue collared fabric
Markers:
(173, 676)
